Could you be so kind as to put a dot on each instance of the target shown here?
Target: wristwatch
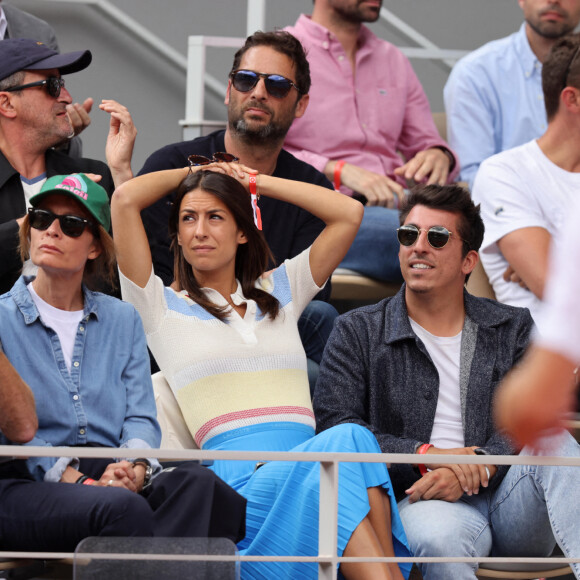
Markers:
(148, 469)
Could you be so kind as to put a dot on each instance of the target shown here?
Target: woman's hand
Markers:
(122, 474)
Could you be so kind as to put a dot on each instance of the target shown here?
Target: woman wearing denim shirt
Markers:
(85, 358)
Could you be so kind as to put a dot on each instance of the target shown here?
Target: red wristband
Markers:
(422, 451)
(337, 171)
(88, 481)
(254, 197)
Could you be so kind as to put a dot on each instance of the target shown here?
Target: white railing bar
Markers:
(433, 53)
(256, 16)
(411, 32)
(312, 559)
(217, 455)
(145, 35)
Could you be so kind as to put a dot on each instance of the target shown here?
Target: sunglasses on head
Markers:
(53, 86)
(437, 236)
(276, 85)
(71, 225)
(196, 160)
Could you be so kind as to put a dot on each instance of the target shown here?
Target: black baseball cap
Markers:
(18, 54)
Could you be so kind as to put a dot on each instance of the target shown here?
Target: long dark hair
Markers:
(251, 258)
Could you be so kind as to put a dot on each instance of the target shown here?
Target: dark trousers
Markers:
(190, 501)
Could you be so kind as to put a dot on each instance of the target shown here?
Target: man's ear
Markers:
(570, 98)
(469, 262)
(227, 99)
(6, 106)
(301, 106)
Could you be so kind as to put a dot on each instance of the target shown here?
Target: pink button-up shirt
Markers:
(364, 119)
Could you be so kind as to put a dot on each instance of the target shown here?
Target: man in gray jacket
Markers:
(419, 370)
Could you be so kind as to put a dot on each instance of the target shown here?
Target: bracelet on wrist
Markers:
(337, 173)
(144, 462)
(422, 451)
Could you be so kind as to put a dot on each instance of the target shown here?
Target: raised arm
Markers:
(341, 215)
(18, 421)
(132, 197)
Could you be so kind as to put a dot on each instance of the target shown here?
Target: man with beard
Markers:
(33, 119)
(493, 97)
(267, 89)
(366, 107)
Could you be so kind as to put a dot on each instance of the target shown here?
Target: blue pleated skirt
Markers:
(282, 496)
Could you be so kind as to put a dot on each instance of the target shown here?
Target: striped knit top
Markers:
(236, 373)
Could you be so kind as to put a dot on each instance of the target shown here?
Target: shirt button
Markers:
(528, 74)
(540, 97)
(82, 431)
(81, 328)
(75, 397)
(325, 44)
(341, 57)
(428, 395)
(76, 363)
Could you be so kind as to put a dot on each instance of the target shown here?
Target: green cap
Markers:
(78, 186)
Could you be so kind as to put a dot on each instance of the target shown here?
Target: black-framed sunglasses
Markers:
(71, 225)
(437, 236)
(219, 156)
(276, 85)
(53, 86)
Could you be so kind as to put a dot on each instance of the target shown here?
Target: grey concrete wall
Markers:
(154, 90)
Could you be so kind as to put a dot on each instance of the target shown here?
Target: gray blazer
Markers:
(24, 25)
(376, 372)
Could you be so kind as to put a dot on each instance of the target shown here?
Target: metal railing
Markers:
(327, 558)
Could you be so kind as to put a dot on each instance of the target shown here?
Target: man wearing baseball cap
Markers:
(33, 119)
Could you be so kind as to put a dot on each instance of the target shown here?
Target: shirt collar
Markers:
(3, 23)
(321, 34)
(237, 297)
(529, 61)
(25, 304)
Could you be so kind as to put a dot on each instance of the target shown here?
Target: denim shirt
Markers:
(107, 397)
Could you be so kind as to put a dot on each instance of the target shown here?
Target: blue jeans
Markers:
(532, 508)
(314, 327)
(375, 250)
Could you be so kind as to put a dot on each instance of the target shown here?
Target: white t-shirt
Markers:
(445, 351)
(520, 188)
(560, 314)
(65, 323)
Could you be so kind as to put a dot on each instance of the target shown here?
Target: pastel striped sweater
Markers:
(227, 375)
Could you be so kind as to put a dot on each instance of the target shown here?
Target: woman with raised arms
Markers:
(225, 336)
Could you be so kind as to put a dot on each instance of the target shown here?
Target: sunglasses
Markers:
(437, 236)
(53, 86)
(196, 160)
(276, 85)
(71, 225)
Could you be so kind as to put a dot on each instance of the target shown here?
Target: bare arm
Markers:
(535, 396)
(341, 215)
(18, 421)
(527, 251)
(133, 196)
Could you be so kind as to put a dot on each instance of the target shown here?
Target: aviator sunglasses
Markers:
(71, 225)
(196, 160)
(276, 85)
(53, 86)
(437, 236)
